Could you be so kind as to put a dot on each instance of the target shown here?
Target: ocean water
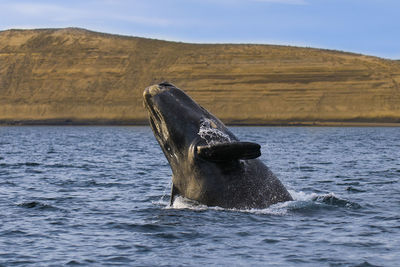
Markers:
(98, 196)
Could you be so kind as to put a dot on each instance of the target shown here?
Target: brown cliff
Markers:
(78, 76)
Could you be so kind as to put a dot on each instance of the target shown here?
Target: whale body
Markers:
(209, 163)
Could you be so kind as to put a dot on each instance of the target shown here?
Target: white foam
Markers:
(184, 203)
(301, 196)
(300, 200)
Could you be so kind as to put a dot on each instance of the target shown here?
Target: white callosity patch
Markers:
(211, 134)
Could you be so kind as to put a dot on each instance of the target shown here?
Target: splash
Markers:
(184, 203)
(332, 200)
(211, 134)
(302, 202)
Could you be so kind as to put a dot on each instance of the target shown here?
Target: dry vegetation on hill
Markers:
(78, 76)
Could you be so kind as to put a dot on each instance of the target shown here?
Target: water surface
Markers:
(98, 196)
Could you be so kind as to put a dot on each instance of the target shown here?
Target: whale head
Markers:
(178, 122)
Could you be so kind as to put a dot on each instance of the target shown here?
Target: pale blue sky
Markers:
(364, 26)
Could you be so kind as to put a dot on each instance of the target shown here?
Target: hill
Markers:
(72, 76)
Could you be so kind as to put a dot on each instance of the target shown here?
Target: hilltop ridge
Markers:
(73, 75)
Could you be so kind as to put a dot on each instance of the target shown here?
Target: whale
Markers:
(209, 164)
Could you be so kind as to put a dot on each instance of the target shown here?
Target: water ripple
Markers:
(39, 206)
(99, 196)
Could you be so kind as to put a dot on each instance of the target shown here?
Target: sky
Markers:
(370, 27)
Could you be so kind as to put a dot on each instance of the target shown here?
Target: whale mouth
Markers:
(148, 95)
(155, 118)
(151, 97)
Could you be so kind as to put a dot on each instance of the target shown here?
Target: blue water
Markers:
(98, 196)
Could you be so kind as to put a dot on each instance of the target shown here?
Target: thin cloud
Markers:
(49, 12)
(31, 9)
(287, 2)
(244, 2)
(151, 21)
(56, 14)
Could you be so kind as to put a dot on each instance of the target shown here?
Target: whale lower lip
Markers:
(147, 100)
(149, 104)
(153, 126)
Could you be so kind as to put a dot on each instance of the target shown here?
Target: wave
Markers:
(20, 164)
(331, 199)
(39, 206)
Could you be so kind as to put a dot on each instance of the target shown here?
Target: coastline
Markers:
(62, 122)
(77, 77)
